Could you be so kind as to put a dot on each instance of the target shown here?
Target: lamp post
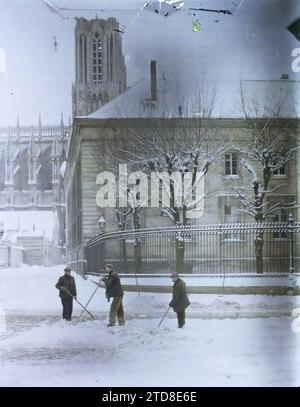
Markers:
(291, 244)
(101, 223)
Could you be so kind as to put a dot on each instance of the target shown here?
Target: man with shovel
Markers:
(180, 299)
(114, 290)
(66, 286)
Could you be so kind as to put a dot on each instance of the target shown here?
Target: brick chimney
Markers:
(153, 81)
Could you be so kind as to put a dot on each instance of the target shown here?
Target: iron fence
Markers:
(199, 249)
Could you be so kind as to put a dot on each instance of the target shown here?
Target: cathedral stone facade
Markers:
(30, 170)
(100, 71)
(30, 162)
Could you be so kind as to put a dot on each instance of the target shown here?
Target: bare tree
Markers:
(268, 146)
(129, 216)
(189, 145)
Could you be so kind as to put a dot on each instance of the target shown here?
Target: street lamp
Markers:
(101, 223)
(101, 252)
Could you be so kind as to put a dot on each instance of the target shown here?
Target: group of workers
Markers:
(67, 292)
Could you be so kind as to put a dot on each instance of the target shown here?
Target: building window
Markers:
(281, 216)
(231, 164)
(232, 214)
(280, 172)
(97, 60)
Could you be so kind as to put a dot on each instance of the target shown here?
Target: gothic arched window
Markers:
(111, 58)
(85, 58)
(44, 173)
(94, 103)
(107, 57)
(97, 60)
(21, 172)
(2, 173)
(31, 170)
(82, 58)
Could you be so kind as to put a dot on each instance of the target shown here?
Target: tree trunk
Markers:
(137, 243)
(258, 245)
(124, 255)
(137, 256)
(121, 217)
(259, 238)
(179, 264)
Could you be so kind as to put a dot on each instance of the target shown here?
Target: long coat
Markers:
(113, 285)
(69, 283)
(180, 299)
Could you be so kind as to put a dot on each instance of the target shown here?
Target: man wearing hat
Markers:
(114, 290)
(180, 299)
(66, 286)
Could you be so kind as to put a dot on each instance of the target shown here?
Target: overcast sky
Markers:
(253, 44)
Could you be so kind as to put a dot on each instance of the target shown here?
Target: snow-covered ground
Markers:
(227, 340)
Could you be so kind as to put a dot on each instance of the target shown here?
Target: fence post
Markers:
(291, 244)
(220, 248)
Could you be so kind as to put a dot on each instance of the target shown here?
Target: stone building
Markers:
(143, 109)
(31, 158)
(29, 237)
(100, 72)
(30, 162)
(31, 248)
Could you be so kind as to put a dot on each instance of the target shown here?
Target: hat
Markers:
(67, 269)
(110, 266)
(174, 275)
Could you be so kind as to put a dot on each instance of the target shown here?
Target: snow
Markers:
(227, 340)
(227, 280)
(27, 221)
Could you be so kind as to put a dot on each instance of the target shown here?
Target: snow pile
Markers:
(32, 289)
(39, 349)
(219, 281)
(205, 353)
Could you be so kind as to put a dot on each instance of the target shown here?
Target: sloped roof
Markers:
(136, 103)
(181, 100)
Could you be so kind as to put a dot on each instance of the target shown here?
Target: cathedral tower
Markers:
(100, 67)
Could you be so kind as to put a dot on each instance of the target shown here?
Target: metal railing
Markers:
(229, 249)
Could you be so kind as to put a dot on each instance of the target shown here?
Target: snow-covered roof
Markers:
(181, 100)
(136, 102)
(33, 223)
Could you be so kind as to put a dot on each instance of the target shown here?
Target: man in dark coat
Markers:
(180, 299)
(114, 290)
(64, 284)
